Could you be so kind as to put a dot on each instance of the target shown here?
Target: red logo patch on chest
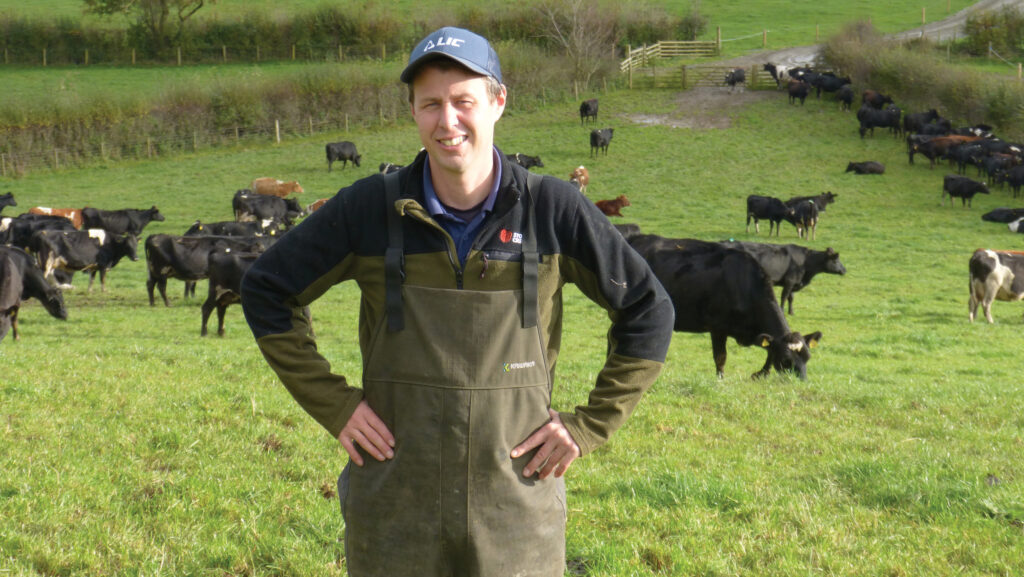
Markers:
(505, 235)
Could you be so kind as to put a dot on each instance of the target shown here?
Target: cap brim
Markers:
(410, 71)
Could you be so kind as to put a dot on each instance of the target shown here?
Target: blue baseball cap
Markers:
(467, 48)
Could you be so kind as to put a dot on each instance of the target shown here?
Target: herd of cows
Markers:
(721, 288)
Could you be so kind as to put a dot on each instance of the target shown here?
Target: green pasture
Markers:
(131, 446)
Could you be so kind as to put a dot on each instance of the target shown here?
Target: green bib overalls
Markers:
(460, 378)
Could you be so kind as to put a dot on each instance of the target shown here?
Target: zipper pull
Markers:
(484, 271)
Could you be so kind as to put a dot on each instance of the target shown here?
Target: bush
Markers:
(1003, 31)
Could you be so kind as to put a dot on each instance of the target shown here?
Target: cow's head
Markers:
(355, 161)
(126, 245)
(53, 302)
(156, 215)
(832, 263)
(789, 353)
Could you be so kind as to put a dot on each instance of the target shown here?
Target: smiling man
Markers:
(456, 457)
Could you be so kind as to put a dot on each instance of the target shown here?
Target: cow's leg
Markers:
(150, 285)
(207, 308)
(991, 290)
(748, 224)
(718, 351)
(92, 277)
(221, 309)
(787, 296)
(103, 280)
(161, 284)
(14, 323)
(972, 303)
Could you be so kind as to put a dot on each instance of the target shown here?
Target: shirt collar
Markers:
(433, 204)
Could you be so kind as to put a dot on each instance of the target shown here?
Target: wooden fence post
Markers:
(149, 147)
(346, 122)
(179, 56)
(310, 118)
(293, 52)
(341, 56)
(718, 39)
(277, 130)
(383, 51)
(195, 140)
(44, 57)
(257, 53)
(86, 56)
(237, 136)
(224, 52)
(764, 38)
(3, 164)
(103, 149)
(133, 57)
(684, 77)
(816, 33)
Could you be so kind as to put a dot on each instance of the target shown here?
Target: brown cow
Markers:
(72, 214)
(274, 187)
(315, 205)
(580, 177)
(614, 206)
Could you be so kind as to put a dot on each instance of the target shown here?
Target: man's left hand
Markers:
(557, 449)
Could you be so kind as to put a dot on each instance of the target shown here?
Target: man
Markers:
(460, 257)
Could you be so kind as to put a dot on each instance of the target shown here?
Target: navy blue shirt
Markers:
(462, 232)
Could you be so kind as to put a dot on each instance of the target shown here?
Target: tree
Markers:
(584, 29)
(153, 18)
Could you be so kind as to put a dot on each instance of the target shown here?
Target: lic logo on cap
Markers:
(442, 41)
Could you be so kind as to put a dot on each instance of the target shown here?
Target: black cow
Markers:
(804, 216)
(225, 270)
(766, 208)
(7, 199)
(231, 228)
(734, 77)
(725, 292)
(1015, 179)
(940, 127)
(829, 82)
(966, 153)
(791, 266)
(914, 121)
(22, 279)
(18, 230)
(526, 161)
(388, 167)
(820, 200)
(870, 118)
(1004, 215)
(961, 187)
(600, 138)
(185, 258)
(875, 99)
(588, 110)
(265, 208)
(116, 222)
(93, 250)
(866, 167)
(798, 89)
(845, 97)
(343, 151)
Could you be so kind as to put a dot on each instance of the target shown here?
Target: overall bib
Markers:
(460, 378)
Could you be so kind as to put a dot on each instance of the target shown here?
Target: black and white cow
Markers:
(791, 266)
(7, 199)
(588, 110)
(93, 250)
(866, 167)
(995, 275)
(526, 161)
(18, 230)
(343, 151)
(232, 228)
(725, 292)
(1004, 215)
(185, 258)
(961, 187)
(389, 167)
(116, 222)
(766, 208)
(249, 207)
(600, 138)
(22, 279)
(1016, 225)
(734, 77)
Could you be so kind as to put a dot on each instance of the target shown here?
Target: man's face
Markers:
(456, 117)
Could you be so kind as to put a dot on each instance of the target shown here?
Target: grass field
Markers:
(131, 446)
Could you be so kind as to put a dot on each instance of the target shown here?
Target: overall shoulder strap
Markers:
(394, 257)
(531, 257)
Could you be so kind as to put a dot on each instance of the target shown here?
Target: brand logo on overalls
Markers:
(509, 367)
(442, 41)
(508, 236)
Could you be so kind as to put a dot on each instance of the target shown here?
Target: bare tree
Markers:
(584, 29)
(153, 17)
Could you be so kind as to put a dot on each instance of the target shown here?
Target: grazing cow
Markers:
(804, 216)
(315, 205)
(798, 89)
(7, 199)
(1004, 215)
(388, 167)
(961, 187)
(22, 279)
(995, 275)
(913, 122)
(92, 251)
(580, 177)
(725, 292)
(225, 270)
(525, 161)
(231, 228)
(17, 231)
(258, 207)
(845, 97)
(72, 214)
(734, 77)
(766, 208)
(343, 151)
(866, 167)
(116, 222)
(875, 99)
(829, 82)
(614, 206)
(588, 110)
(791, 266)
(600, 138)
(870, 118)
(185, 258)
(273, 187)
(820, 200)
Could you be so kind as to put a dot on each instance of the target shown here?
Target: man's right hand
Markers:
(365, 428)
